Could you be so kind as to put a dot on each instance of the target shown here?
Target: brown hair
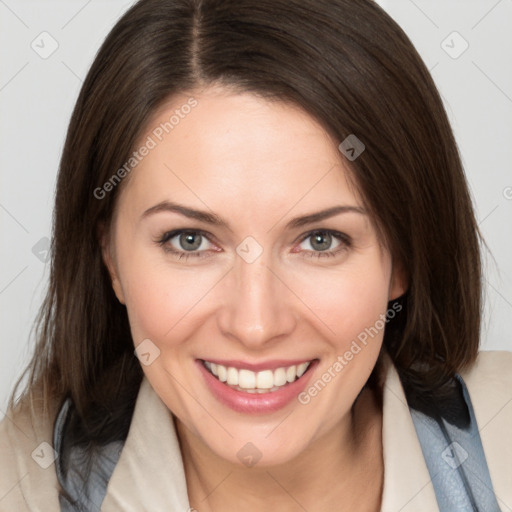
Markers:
(345, 62)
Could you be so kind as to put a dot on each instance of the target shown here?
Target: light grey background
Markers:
(37, 95)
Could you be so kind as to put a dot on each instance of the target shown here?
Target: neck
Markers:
(343, 470)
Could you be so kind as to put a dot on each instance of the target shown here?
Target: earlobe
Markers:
(108, 260)
(399, 283)
(116, 285)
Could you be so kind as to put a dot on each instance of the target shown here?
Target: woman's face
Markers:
(239, 242)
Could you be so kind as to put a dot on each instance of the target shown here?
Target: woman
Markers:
(266, 281)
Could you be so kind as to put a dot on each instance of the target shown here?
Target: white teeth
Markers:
(265, 379)
(222, 373)
(279, 377)
(301, 369)
(217, 370)
(232, 376)
(246, 379)
(291, 373)
(257, 382)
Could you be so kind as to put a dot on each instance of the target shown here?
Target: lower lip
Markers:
(255, 403)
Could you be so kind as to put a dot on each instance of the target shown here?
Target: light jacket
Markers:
(149, 474)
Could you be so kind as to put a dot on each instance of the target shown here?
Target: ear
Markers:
(399, 282)
(108, 256)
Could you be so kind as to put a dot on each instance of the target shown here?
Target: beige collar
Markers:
(407, 483)
(150, 473)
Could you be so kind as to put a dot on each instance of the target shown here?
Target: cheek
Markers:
(347, 301)
(162, 302)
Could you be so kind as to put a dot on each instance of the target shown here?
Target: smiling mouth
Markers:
(265, 381)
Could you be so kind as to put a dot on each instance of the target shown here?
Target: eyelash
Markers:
(344, 240)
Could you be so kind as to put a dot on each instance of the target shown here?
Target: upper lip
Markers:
(255, 367)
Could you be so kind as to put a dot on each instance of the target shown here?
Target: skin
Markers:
(257, 164)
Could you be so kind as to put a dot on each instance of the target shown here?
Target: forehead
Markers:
(238, 150)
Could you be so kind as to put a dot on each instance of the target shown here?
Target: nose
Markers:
(257, 307)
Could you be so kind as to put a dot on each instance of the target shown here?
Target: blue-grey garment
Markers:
(452, 449)
(456, 462)
(83, 476)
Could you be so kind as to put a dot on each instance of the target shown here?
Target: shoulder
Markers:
(28, 480)
(492, 371)
(489, 382)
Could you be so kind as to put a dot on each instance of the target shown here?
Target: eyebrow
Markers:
(215, 220)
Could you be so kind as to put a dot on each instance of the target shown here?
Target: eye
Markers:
(321, 243)
(185, 243)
